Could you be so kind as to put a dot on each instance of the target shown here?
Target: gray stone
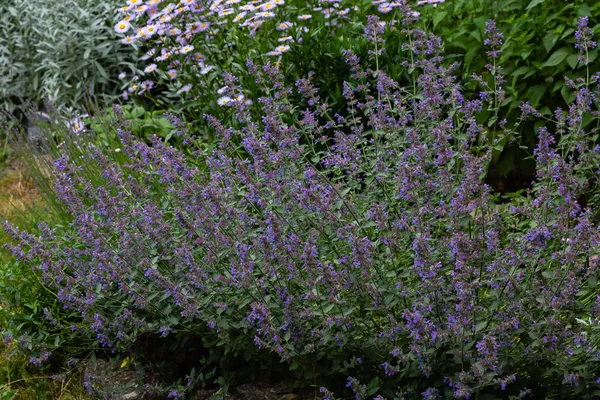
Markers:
(130, 396)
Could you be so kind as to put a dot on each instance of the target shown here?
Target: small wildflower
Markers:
(226, 12)
(283, 26)
(149, 30)
(186, 49)
(267, 6)
(150, 68)
(239, 17)
(223, 101)
(267, 14)
(282, 49)
(76, 125)
(185, 89)
(122, 26)
(148, 54)
(128, 40)
(203, 26)
(141, 9)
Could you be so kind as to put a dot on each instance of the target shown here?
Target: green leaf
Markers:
(549, 41)
(525, 54)
(573, 60)
(476, 35)
(480, 326)
(557, 57)
(584, 10)
(567, 33)
(473, 51)
(535, 93)
(534, 3)
(548, 274)
(373, 386)
(438, 17)
(567, 95)
(137, 112)
(520, 71)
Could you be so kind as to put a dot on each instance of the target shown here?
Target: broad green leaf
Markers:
(535, 93)
(567, 33)
(549, 274)
(550, 40)
(557, 57)
(572, 60)
(476, 35)
(473, 51)
(534, 3)
(525, 54)
(520, 71)
(438, 17)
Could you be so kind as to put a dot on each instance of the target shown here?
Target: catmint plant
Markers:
(363, 244)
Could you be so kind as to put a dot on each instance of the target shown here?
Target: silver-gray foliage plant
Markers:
(60, 50)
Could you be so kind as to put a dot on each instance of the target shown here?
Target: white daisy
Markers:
(284, 26)
(239, 17)
(186, 49)
(223, 101)
(128, 40)
(122, 26)
(282, 49)
(150, 68)
(185, 89)
(268, 6)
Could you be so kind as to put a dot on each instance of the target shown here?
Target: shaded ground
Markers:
(258, 391)
(124, 384)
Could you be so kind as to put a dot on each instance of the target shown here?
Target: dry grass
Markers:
(17, 192)
(18, 198)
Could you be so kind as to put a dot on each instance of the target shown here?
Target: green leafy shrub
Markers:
(537, 54)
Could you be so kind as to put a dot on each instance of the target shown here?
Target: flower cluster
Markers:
(179, 33)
